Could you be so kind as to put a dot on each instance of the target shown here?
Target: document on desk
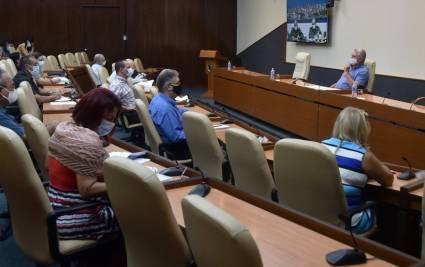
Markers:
(63, 99)
(63, 103)
(147, 85)
(220, 126)
(126, 154)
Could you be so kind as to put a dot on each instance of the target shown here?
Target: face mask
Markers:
(40, 65)
(12, 97)
(177, 89)
(105, 127)
(352, 61)
(36, 72)
(130, 72)
(103, 63)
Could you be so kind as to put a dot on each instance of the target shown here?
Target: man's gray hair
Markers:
(98, 58)
(165, 78)
(362, 54)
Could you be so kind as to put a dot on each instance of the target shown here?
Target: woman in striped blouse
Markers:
(75, 163)
(356, 162)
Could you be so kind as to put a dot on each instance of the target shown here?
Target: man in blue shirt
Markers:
(167, 117)
(356, 73)
(8, 95)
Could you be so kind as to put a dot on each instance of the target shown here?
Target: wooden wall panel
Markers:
(162, 33)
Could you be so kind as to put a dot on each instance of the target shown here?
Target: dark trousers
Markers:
(177, 151)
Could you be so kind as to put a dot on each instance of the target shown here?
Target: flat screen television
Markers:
(308, 21)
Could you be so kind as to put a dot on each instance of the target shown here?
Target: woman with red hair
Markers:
(75, 162)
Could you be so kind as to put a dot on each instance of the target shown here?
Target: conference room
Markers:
(211, 133)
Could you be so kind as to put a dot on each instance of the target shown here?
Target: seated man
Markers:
(8, 95)
(132, 73)
(356, 73)
(167, 117)
(27, 66)
(99, 61)
(120, 86)
(37, 72)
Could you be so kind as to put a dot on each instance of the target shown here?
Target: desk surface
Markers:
(281, 242)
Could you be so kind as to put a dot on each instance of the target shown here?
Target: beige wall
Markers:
(391, 31)
(257, 18)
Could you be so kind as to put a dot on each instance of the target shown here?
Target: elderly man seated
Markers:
(356, 73)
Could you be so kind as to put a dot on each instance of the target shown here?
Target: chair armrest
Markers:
(52, 231)
(347, 217)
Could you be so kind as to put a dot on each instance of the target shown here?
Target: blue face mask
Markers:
(105, 127)
(36, 71)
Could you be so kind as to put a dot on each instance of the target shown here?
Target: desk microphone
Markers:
(342, 257)
(416, 101)
(407, 175)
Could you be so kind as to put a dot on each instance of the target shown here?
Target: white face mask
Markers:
(105, 127)
(12, 97)
(130, 72)
(103, 63)
(352, 61)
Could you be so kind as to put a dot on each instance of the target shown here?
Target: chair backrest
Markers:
(216, 238)
(206, 152)
(54, 65)
(27, 102)
(38, 139)
(151, 134)
(78, 58)
(63, 63)
(139, 93)
(302, 66)
(138, 65)
(103, 75)
(86, 57)
(154, 91)
(70, 58)
(27, 199)
(12, 66)
(372, 68)
(307, 179)
(4, 66)
(48, 65)
(91, 74)
(249, 164)
(152, 239)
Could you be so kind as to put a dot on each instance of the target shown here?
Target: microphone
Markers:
(407, 175)
(416, 101)
(344, 257)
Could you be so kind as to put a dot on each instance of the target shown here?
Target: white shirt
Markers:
(96, 69)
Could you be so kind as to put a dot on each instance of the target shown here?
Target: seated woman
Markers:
(75, 162)
(356, 162)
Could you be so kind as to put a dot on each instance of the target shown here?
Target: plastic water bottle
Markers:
(354, 90)
(229, 65)
(272, 74)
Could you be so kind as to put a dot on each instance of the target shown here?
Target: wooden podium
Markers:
(212, 60)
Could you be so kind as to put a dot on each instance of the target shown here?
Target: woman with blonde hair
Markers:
(356, 162)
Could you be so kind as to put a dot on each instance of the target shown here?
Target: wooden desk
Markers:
(281, 239)
(308, 112)
(56, 117)
(400, 194)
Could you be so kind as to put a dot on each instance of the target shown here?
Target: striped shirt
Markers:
(349, 157)
(120, 88)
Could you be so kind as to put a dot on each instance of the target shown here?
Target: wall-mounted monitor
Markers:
(308, 21)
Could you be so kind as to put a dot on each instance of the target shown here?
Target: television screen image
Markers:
(307, 21)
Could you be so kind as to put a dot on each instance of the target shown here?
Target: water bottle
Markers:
(354, 90)
(272, 74)
(229, 65)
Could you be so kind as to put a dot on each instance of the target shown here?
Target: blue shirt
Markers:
(167, 118)
(360, 75)
(8, 121)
